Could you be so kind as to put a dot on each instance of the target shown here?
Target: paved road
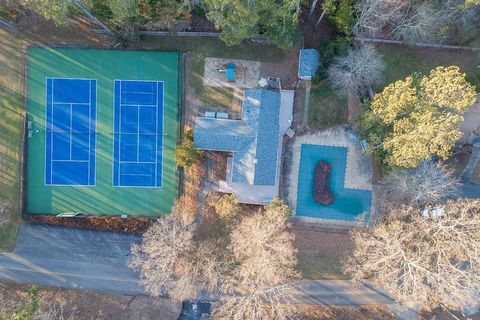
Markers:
(72, 258)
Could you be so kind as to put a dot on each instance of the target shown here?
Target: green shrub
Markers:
(341, 13)
(320, 75)
(328, 50)
(228, 208)
(101, 10)
(186, 153)
(26, 311)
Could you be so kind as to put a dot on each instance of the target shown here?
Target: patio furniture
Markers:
(231, 72)
(364, 144)
(209, 114)
(222, 115)
(290, 133)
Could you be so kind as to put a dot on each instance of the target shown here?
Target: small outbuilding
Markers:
(308, 62)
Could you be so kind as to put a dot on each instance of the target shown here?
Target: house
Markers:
(308, 62)
(254, 142)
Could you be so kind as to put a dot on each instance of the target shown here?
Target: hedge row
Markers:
(98, 223)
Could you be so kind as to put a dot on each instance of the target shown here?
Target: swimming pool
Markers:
(348, 204)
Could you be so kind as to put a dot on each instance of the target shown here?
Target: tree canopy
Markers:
(254, 268)
(55, 10)
(430, 258)
(414, 119)
(240, 20)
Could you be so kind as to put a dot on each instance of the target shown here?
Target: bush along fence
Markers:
(98, 223)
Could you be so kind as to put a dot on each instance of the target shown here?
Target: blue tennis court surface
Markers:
(138, 133)
(70, 132)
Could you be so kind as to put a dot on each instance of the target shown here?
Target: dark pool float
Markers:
(322, 193)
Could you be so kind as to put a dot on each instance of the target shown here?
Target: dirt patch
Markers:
(321, 251)
(314, 33)
(247, 73)
(354, 105)
(311, 312)
(88, 305)
(77, 32)
(193, 182)
(286, 70)
(217, 171)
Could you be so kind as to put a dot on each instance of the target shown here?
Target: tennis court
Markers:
(102, 130)
(138, 135)
(70, 135)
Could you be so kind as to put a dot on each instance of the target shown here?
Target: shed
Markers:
(308, 62)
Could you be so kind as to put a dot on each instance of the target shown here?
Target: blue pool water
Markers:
(347, 204)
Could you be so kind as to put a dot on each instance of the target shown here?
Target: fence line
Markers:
(416, 44)
(8, 25)
(179, 33)
(85, 11)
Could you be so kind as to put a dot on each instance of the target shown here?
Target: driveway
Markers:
(71, 258)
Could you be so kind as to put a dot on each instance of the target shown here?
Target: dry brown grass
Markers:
(321, 252)
(194, 178)
(87, 305)
(314, 312)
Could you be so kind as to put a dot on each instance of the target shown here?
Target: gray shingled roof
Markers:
(253, 140)
(308, 63)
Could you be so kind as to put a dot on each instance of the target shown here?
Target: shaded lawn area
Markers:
(325, 108)
(321, 252)
(402, 61)
(11, 131)
(202, 47)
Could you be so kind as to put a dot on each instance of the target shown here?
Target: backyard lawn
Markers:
(402, 60)
(11, 130)
(321, 252)
(326, 109)
(202, 47)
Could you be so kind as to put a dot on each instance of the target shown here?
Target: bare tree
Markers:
(161, 257)
(359, 69)
(51, 311)
(263, 281)
(431, 259)
(429, 183)
(266, 302)
(423, 25)
(408, 20)
(254, 268)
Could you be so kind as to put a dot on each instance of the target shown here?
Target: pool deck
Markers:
(358, 173)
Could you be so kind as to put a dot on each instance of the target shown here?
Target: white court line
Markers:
(71, 124)
(51, 136)
(138, 133)
(156, 131)
(89, 125)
